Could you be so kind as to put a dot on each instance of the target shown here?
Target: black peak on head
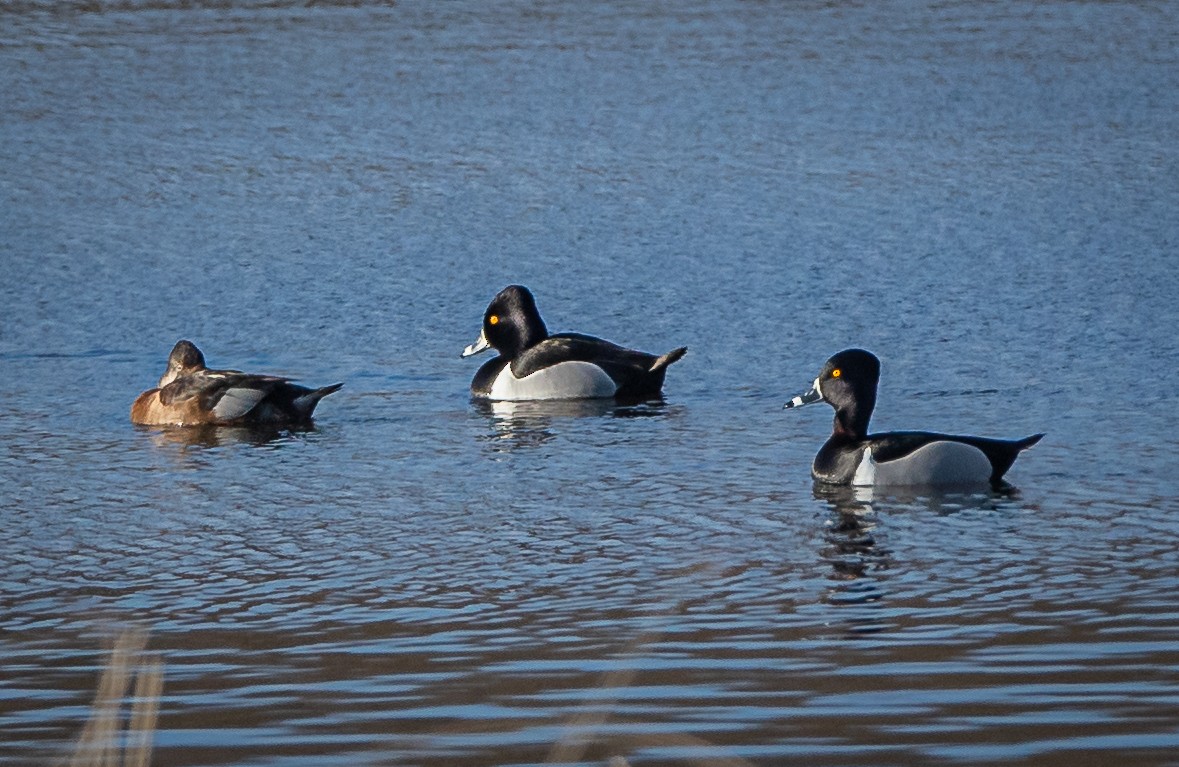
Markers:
(859, 364)
(185, 356)
(848, 382)
(512, 322)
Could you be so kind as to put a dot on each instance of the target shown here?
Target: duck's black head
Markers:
(511, 323)
(185, 358)
(848, 383)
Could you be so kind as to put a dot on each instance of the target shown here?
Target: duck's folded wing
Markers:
(1000, 452)
(228, 395)
(575, 347)
(187, 387)
(236, 402)
(898, 444)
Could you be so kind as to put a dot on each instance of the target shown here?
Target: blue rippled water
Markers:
(983, 194)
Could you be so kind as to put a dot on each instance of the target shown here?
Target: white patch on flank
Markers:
(866, 472)
(565, 380)
(237, 402)
(938, 463)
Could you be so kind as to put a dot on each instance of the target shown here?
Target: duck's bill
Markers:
(812, 395)
(480, 345)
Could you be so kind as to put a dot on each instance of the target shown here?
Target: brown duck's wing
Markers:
(226, 394)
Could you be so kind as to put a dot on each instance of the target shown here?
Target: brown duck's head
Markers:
(184, 359)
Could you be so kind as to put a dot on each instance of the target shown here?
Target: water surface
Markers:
(983, 194)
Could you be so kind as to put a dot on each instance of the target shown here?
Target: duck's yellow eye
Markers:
(493, 319)
(836, 373)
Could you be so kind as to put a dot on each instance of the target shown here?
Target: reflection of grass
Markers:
(581, 726)
(103, 743)
(112, 739)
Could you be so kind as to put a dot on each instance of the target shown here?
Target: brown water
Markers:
(983, 194)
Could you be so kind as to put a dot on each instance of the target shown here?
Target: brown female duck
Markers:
(190, 394)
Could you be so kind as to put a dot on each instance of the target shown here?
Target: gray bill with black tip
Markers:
(481, 344)
(813, 395)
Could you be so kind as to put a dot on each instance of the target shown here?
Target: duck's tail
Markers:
(1002, 453)
(306, 403)
(1027, 442)
(672, 356)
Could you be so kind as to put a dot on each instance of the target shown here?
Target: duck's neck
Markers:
(851, 421)
(534, 333)
(523, 336)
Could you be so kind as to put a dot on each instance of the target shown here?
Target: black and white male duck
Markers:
(852, 456)
(190, 394)
(533, 365)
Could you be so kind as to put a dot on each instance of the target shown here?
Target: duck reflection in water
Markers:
(907, 499)
(260, 435)
(528, 424)
(850, 538)
(859, 563)
(854, 545)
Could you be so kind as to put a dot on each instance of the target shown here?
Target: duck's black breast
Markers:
(837, 460)
(485, 377)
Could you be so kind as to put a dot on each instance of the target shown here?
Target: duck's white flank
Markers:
(938, 463)
(565, 380)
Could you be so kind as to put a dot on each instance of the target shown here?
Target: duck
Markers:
(190, 394)
(852, 456)
(534, 365)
